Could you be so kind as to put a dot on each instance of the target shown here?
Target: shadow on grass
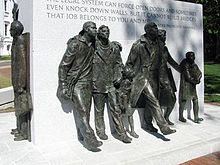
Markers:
(212, 84)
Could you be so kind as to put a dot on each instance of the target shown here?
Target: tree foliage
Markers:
(211, 22)
(211, 15)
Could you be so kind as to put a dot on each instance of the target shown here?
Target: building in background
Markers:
(5, 21)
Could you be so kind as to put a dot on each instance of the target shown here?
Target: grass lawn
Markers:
(212, 82)
(212, 98)
(212, 78)
(6, 57)
(5, 82)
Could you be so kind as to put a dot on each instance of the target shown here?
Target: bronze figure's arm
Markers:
(172, 62)
(118, 64)
(187, 75)
(130, 64)
(66, 64)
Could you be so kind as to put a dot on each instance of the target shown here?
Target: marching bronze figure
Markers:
(20, 78)
(75, 81)
(190, 77)
(167, 97)
(145, 60)
(107, 66)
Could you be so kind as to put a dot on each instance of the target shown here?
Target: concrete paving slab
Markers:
(190, 141)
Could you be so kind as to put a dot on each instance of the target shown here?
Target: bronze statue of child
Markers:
(124, 104)
(190, 77)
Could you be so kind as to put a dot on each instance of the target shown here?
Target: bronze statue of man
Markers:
(144, 60)
(75, 81)
(20, 78)
(167, 97)
(107, 65)
(190, 77)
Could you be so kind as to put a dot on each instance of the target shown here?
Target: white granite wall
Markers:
(52, 22)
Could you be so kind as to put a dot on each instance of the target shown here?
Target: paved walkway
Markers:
(190, 141)
(4, 63)
(5, 68)
(5, 71)
(210, 159)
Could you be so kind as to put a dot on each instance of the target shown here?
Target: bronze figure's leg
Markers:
(82, 97)
(131, 123)
(167, 113)
(117, 118)
(151, 92)
(169, 109)
(99, 105)
(129, 114)
(196, 111)
(22, 133)
(181, 109)
(148, 118)
(79, 135)
(153, 105)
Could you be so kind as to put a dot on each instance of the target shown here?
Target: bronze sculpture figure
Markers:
(20, 78)
(190, 77)
(75, 81)
(123, 94)
(167, 97)
(107, 65)
(144, 59)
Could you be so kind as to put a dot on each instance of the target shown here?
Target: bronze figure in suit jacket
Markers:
(145, 60)
(20, 78)
(75, 82)
(107, 67)
(167, 97)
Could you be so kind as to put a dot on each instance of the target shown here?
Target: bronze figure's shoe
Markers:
(79, 135)
(150, 128)
(167, 130)
(198, 120)
(124, 138)
(182, 119)
(99, 143)
(169, 122)
(133, 133)
(80, 138)
(20, 138)
(14, 131)
(102, 136)
(90, 146)
(17, 134)
(96, 143)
